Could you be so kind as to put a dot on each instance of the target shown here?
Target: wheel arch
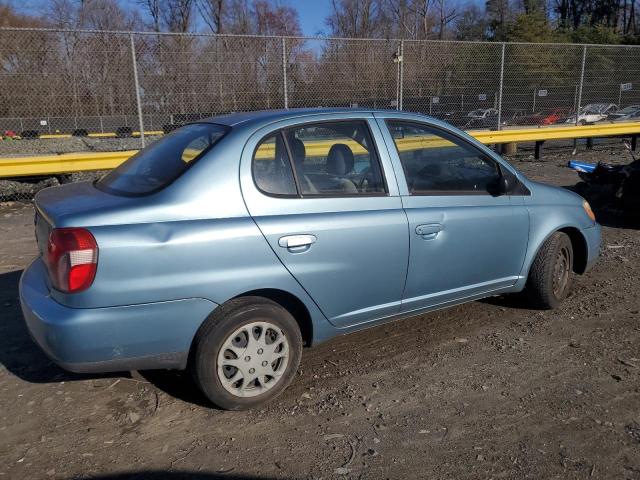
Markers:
(286, 300)
(578, 243)
(292, 304)
(580, 250)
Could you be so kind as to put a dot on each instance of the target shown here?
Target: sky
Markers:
(312, 12)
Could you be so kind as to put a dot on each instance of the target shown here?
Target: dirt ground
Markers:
(489, 389)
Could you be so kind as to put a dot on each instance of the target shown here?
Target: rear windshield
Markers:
(157, 165)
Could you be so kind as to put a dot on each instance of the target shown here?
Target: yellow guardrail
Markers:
(66, 163)
(99, 135)
(90, 161)
(560, 132)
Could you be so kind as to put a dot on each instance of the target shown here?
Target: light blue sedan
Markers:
(230, 243)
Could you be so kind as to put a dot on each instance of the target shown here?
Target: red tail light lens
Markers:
(71, 259)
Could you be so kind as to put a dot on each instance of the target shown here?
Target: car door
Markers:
(465, 238)
(325, 198)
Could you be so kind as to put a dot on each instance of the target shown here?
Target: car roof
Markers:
(269, 116)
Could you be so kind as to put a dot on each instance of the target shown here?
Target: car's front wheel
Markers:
(551, 275)
(246, 353)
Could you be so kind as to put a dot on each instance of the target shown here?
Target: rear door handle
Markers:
(297, 243)
(429, 231)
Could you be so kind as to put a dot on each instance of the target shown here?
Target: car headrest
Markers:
(340, 160)
(298, 151)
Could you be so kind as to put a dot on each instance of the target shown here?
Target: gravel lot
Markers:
(488, 389)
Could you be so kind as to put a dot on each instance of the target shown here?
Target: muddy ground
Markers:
(489, 389)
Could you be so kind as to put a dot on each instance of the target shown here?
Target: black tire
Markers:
(169, 127)
(64, 179)
(551, 275)
(124, 132)
(28, 134)
(217, 329)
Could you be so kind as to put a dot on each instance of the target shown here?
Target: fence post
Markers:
(401, 74)
(137, 87)
(584, 58)
(620, 96)
(500, 91)
(284, 73)
(398, 60)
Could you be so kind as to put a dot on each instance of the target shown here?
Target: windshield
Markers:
(157, 165)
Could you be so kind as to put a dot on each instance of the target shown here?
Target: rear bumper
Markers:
(132, 337)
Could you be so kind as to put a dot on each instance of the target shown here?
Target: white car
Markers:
(594, 112)
(482, 113)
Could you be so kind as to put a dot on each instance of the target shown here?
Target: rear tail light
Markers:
(71, 259)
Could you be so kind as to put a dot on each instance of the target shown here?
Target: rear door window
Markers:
(157, 165)
(335, 158)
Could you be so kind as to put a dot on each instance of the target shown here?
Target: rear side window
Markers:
(157, 165)
(336, 158)
(271, 167)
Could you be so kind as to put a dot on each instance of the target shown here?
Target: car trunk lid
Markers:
(75, 205)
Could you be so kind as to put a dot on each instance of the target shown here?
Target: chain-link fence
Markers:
(76, 89)
(88, 82)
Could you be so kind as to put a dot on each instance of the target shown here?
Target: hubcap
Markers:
(561, 270)
(253, 359)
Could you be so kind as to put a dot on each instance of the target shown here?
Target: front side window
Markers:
(437, 162)
(335, 158)
(157, 165)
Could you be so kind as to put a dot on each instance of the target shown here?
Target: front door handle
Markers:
(297, 243)
(429, 231)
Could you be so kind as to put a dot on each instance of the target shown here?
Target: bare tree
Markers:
(356, 18)
(170, 15)
(212, 12)
(445, 17)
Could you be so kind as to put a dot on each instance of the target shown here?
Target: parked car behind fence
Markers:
(593, 112)
(629, 113)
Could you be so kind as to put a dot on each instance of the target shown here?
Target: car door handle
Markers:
(297, 243)
(429, 231)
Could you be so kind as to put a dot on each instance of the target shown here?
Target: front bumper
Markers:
(131, 337)
(593, 237)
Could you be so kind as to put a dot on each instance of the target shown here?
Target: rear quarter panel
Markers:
(151, 262)
(194, 239)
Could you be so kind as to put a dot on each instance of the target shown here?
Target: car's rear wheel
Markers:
(246, 353)
(551, 275)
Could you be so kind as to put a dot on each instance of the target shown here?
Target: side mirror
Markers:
(504, 185)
